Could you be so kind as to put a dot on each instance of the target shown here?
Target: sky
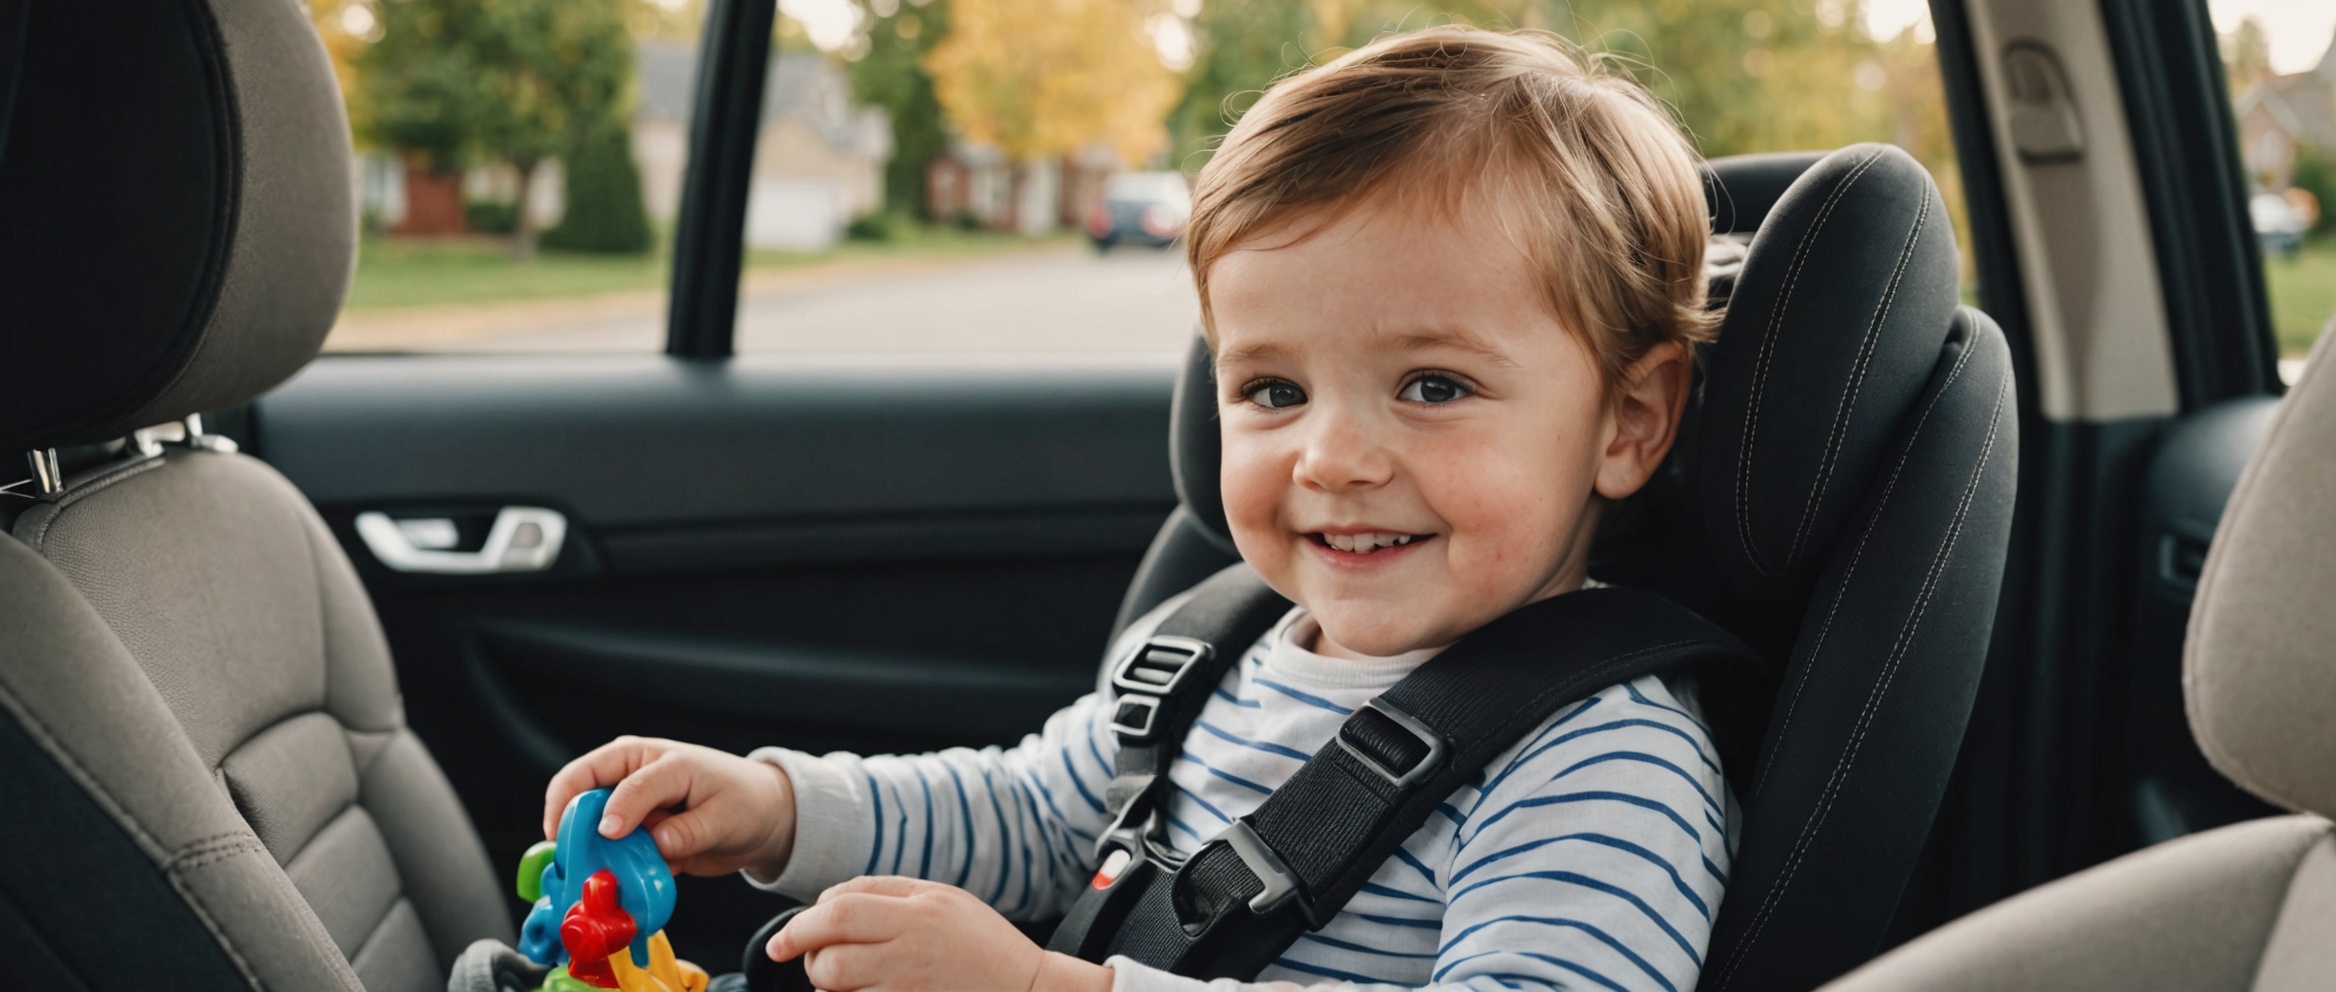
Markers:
(2299, 29)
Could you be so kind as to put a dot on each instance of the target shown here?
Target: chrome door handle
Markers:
(523, 539)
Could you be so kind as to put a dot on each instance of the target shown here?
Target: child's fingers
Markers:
(603, 765)
(880, 885)
(844, 967)
(852, 918)
(655, 785)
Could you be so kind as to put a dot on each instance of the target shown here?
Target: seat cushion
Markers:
(2195, 913)
(246, 617)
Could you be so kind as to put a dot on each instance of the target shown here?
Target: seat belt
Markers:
(1288, 867)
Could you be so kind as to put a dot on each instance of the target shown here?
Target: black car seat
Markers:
(2247, 906)
(210, 781)
(1842, 501)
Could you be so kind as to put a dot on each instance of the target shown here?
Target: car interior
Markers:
(290, 644)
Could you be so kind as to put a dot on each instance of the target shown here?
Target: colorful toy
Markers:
(600, 909)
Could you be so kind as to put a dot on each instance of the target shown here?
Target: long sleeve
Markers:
(1015, 826)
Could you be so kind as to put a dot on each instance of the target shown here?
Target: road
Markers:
(1064, 305)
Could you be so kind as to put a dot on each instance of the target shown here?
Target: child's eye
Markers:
(1432, 389)
(1274, 394)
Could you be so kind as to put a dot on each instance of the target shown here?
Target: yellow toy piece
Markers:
(665, 973)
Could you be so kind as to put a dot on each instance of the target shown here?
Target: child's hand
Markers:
(711, 812)
(890, 933)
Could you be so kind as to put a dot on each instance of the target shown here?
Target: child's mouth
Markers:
(1367, 542)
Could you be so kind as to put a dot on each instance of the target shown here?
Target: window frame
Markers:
(709, 237)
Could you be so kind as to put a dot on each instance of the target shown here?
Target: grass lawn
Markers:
(2303, 294)
(393, 272)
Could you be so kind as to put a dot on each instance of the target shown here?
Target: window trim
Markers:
(709, 239)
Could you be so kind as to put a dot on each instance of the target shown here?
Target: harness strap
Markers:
(1294, 862)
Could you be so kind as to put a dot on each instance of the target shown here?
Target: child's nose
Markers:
(1341, 454)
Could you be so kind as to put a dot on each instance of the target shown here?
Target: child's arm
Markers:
(1014, 826)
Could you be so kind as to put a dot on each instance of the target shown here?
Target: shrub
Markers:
(2315, 173)
(877, 226)
(490, 216)
(605, 213)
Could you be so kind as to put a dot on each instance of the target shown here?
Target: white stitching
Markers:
(1881, 687)
(1767, 353)
(1855, 558)
(1865, 362)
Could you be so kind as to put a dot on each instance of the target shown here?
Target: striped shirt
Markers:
(1591, 855)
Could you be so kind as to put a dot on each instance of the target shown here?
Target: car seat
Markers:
(210, 783)
(2247, 906)
(1841, 501)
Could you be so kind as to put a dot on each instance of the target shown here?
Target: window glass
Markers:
(998, 178)
(518, 169)
(2281, 59)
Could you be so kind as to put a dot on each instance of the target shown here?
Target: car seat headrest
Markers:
(177, 214)
(1740, 190)
(2256, 669)
(1831, 335)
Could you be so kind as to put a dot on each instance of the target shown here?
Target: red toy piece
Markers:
(596, 927)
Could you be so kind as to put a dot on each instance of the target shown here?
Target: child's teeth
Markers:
(1366, 542)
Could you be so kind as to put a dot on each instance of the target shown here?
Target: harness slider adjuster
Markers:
(1158, 665)
(1402, 762)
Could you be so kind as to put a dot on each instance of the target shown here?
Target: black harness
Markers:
(1235, 904)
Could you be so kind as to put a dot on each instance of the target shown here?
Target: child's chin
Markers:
(1369, 635)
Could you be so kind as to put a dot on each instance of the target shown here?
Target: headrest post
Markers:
(194, 424)
(220, 443)
(48, 474)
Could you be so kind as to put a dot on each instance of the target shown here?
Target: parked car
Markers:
(1143, 208)
(2279, 225)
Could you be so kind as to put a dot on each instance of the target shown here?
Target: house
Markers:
(818, 161)
(976, 182)
(2282, 115)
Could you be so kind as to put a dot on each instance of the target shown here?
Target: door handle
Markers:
(522, 539)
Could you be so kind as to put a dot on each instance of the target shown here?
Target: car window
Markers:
(519, 166)
(951, 180)
(2281, 59)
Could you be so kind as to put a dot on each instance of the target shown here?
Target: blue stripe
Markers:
(1227, 776)
(1061, 819)
(1197, 838)
(1616, 843)
(1344, 976)
(1531, 748)
(1647, 759)
(1715, 871)
(1084, 792)
(1202, 803)
(1265, 746)
(1586, 797)
(1303, 696)
(1005, 832)
(965, 810)
(1641, 697)
(1542, 749)
(1458, 818)
(1097, 749)
(1247, 704)
(875, 793)
(925, 862)
(1585, 881)
(1378, 889)
(1407, 858)
(1398, 921)
(1557, 921)
(1352, 946)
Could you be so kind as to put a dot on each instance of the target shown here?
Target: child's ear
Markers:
(1644, 417)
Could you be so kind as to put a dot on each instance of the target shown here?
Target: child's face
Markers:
(1411, 441)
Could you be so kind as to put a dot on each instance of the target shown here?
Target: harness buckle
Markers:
(1429, 758)
(1281, 884)
(1146, 675)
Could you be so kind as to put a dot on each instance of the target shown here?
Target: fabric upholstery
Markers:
(2190, 914)
(247, 619)
(1739, 190)
(72, 685)
(2256, 670)
(179, 222)
(1841, 499)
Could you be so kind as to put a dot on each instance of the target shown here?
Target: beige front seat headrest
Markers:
(2259, 665)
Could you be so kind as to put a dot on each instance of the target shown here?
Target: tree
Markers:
(605, 213)
(511, 80)
(1239, 48)
(1041, 78)
(891, 74)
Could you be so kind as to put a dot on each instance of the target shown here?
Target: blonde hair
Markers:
(1587, 174)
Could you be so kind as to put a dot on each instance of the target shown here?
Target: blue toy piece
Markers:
(644, 884)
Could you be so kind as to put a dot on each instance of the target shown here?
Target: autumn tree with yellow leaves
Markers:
(1043, 78)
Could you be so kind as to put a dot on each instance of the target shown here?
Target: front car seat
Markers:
(210, 778)
(2251, 905)
(1841, 501)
